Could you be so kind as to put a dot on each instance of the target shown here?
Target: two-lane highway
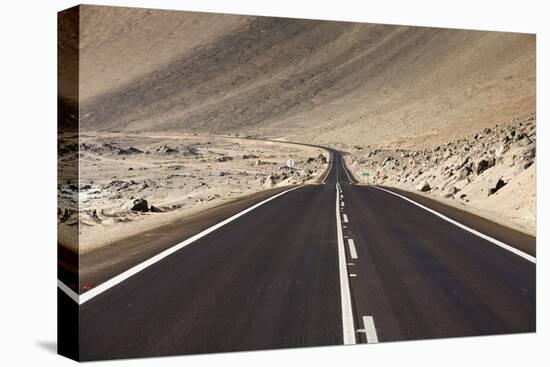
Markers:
(323, 264)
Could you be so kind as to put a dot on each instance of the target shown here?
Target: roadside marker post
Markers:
(388, 165)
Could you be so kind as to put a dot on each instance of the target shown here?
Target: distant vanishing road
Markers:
(326, 264)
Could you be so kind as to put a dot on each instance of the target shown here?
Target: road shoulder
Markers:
(102, 264)
(515, 238)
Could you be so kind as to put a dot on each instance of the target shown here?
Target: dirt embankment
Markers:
(491, 172)
(131, 183)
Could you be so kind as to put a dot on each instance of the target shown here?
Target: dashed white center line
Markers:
(348, 324)
(347, 314)
(370, 329)
(328, 170)
(352, 250)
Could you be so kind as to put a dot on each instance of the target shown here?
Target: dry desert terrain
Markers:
(165, 99)
(131, 183)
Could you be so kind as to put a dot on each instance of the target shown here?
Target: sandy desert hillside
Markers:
(147, 77)
(303, 80)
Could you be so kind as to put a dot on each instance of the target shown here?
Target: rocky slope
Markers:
(492, 171)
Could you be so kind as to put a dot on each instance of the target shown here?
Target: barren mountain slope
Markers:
(121, 44)
(304, 80)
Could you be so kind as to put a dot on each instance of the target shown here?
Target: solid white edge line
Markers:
(345, 170)
(68, 291)
(348, 327)
(370, 329)
(352, 250)
(466, 228)
(329, 169)
(345, 218)
(139, 267)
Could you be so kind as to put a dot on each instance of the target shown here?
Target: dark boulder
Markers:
(499, 185)
(140, 205)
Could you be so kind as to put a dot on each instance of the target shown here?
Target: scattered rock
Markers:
(269, 182)
(139, 205)
(450, 191)
(499, 185)
(423, 186)
(115, 196)
(484, 164)
(502, 148)
(250, 156)
(463, 162)
(156, 209)
(128, 151)
(225, 158)
(190, 151)
(212, 197)
(165, 149)
(463, 173)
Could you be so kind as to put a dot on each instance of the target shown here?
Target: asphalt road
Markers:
(285, 275)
